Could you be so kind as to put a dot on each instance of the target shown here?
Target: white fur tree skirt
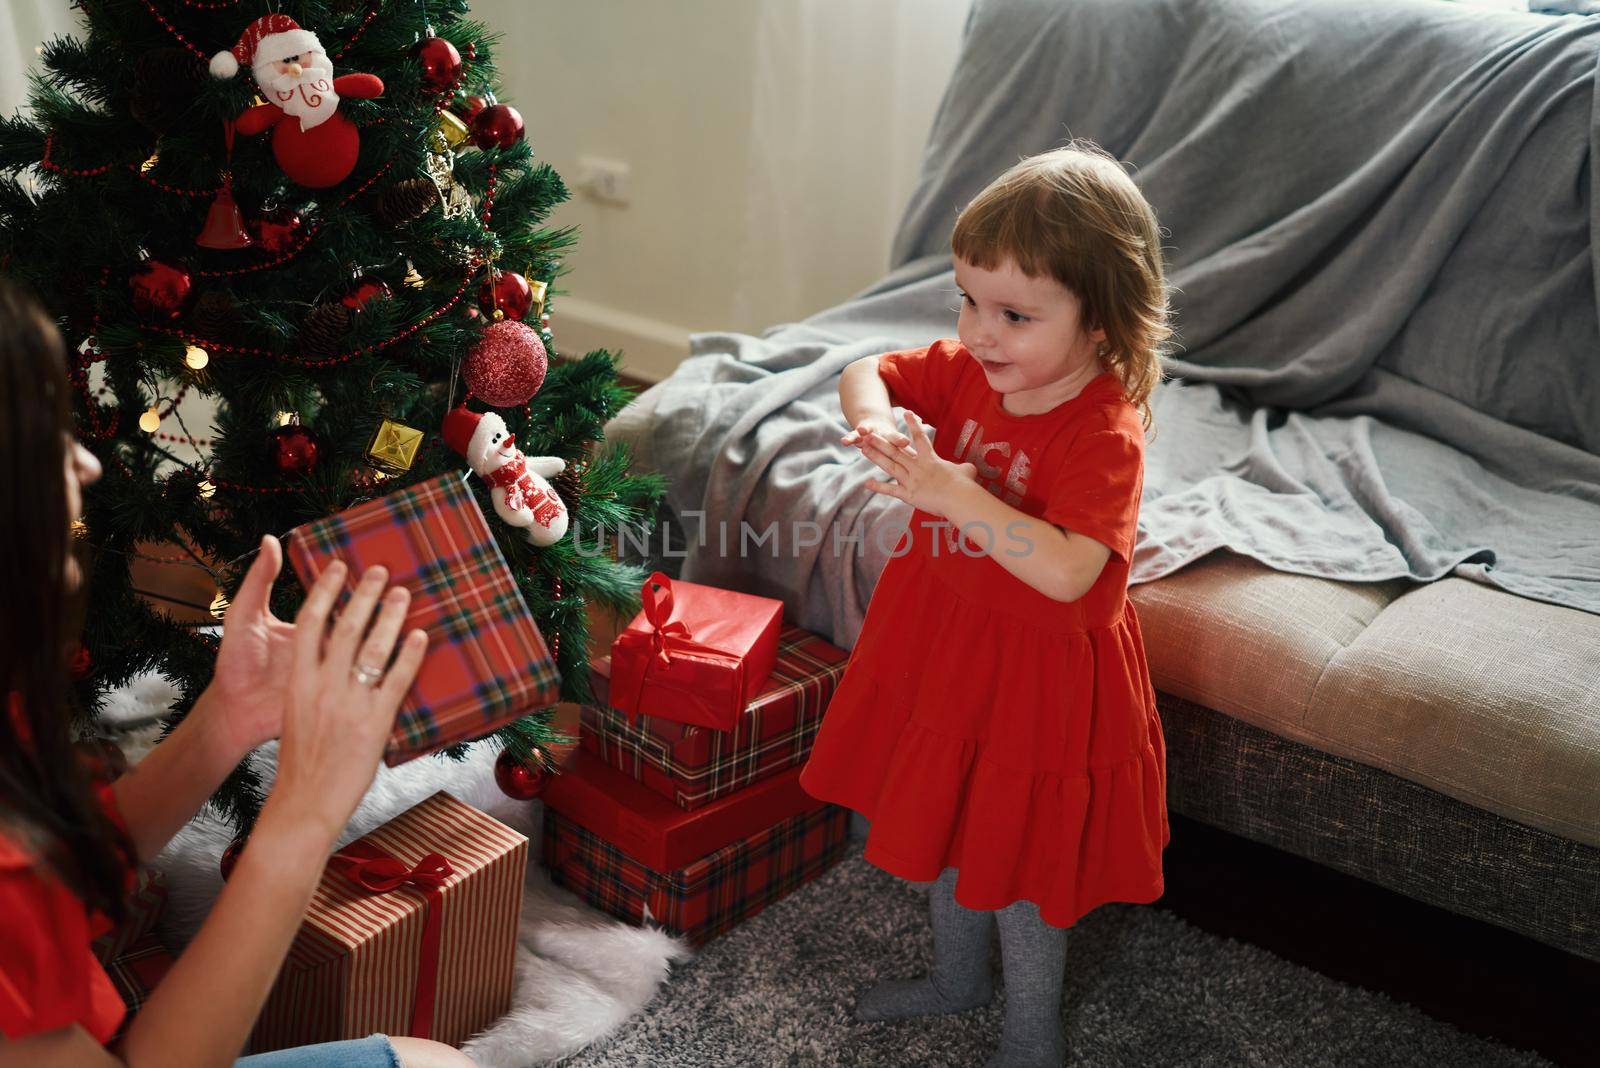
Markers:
(580, 973)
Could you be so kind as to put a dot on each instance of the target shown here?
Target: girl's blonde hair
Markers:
(1073, 214)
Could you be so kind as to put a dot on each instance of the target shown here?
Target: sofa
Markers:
(1368, 572)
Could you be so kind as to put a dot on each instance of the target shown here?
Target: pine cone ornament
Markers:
(215, 315)
(324, 328)
(165, 82)
(568, 484)
(406, 200)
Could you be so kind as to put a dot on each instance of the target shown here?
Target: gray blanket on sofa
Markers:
(1386, 298)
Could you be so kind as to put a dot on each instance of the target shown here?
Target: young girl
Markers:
(996, 723)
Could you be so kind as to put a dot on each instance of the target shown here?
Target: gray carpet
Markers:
(1143, 989)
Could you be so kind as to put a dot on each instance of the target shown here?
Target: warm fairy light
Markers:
(150, 164)
(414, 280)
(285, 418)
(206, 487)
(219, 605)
(150, 421)
(196, 357)
(80, 529)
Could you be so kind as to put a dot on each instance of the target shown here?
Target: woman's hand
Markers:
(926, 480)
(873, 427)
(250, 684)
(341, 703)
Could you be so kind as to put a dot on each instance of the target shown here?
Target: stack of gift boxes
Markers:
(682, 804)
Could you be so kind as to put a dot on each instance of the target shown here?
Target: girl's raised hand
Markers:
(925, 479)
(869, 428)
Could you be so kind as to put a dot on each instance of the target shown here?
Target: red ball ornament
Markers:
(498, 126)
(507, 292)
(277, 231)
(467, 107)
(522, 780)
(160, 290)
(82, 662)
(507, 365)
(230, 856)
(295, 449)
(441, 63)
(366, 288)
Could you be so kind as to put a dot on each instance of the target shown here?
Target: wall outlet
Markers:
(605, 180)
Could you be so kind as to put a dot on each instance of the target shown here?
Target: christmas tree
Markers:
(317, 215)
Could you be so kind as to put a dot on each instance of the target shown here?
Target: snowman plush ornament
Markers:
(517, 483)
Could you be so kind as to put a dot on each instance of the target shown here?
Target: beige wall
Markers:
(773, 145)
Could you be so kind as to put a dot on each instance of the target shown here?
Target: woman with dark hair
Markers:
(68, 843)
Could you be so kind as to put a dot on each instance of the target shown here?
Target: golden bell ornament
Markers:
(539, 289)
(452, 129)
(393, 447)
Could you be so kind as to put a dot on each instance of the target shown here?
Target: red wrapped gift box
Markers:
(653, 830)
(412, 931)
(693, 765)
(694, 654)
(708, 895)
(487, 663)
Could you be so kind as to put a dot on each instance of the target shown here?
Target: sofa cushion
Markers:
(1488, 697)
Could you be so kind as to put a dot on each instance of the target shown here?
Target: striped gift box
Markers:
(711, 895)
(361, 961)
(487, 663)
(695, 765)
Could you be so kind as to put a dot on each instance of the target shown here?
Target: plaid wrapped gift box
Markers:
(707, 896)
(487, 663)
(412, 931)
(694, 765)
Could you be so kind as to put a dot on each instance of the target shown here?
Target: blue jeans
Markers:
(374, 1051)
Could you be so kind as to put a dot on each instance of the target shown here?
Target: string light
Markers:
(285, 418)
(206, 488)
(219, 605)
(196, 357)
(150, 421)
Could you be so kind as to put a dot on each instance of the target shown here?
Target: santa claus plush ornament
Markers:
(314, 144)
(517, 483)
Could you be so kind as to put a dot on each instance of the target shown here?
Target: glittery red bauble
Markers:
(506, 367)
(441, 63)
(498, 126)
(277, 231)
(508, 292)
(230, 856)
(295, 449)
(365, 289)
(160, 290)
(468, 106)
(521, 780)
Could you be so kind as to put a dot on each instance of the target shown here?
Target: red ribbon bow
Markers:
(377, 872)
(657, 607)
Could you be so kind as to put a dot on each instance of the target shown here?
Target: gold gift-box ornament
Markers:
(394, 447)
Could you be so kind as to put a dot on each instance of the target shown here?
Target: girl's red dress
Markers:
(980, 724)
